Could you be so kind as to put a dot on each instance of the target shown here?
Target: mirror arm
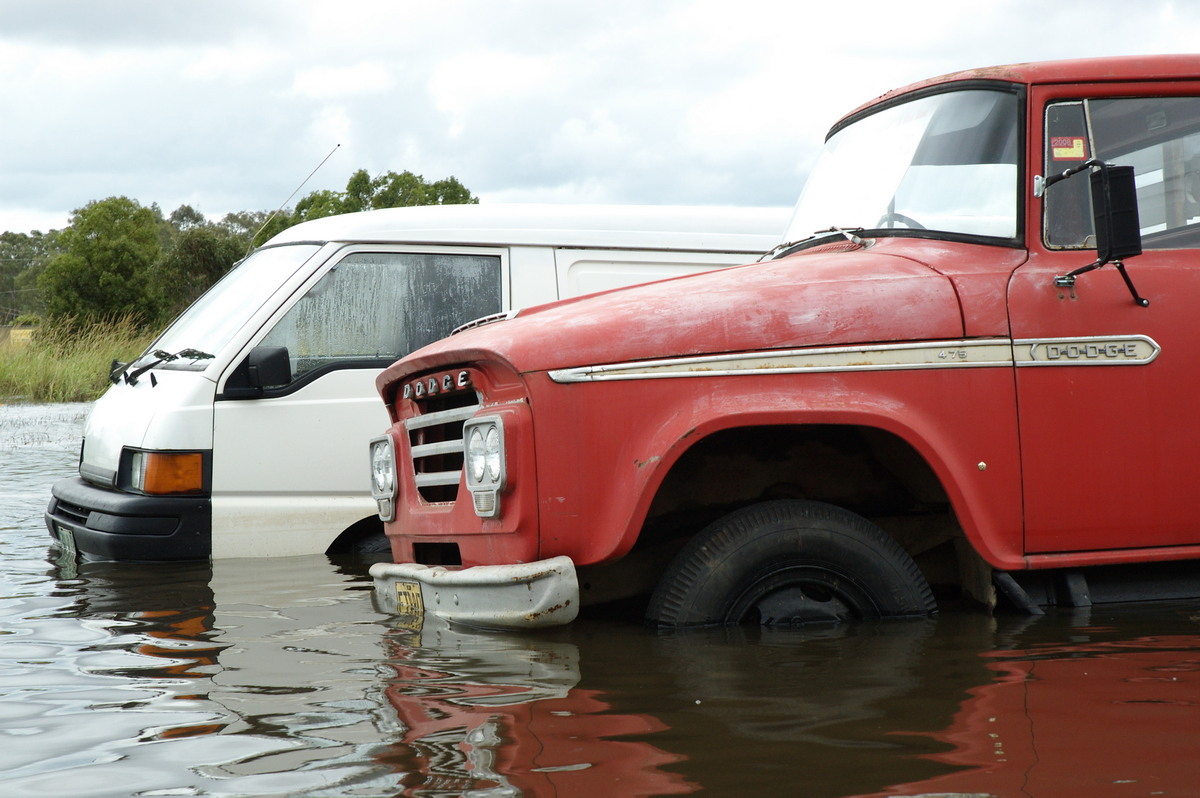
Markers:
(1133, 292)
(1118, 234)
(1068, 280)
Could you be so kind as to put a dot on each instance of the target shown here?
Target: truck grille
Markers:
(435, 440)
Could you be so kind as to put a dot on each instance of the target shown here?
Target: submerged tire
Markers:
(789, 563)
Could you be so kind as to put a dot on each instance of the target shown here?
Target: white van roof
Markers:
(676, 227)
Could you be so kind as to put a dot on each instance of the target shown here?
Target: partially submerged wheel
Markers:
(789, 563)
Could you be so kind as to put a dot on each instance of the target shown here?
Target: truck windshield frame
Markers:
(941, 165)
(211, 322)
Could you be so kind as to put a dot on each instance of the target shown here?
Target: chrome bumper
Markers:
(521, 596)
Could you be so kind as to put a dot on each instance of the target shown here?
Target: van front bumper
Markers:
(110, 525)
(519, 596)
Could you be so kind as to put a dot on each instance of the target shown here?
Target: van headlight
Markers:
(484, 461)
(383, 476)
(162, 473)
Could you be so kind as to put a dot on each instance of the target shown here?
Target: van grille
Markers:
(435, 440)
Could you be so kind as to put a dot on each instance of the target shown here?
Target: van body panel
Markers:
(587, 271)
(282, 474)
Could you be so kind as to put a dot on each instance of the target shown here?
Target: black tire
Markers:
(374, 543)
(789, 563)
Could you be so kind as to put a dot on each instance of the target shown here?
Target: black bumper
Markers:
(109, 525)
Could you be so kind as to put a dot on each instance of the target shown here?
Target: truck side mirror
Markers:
(264, 367)
(1115, 210)
(1115, 213)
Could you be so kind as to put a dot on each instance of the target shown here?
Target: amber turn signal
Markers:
(171, 472)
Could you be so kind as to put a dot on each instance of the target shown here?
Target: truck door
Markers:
(1106, 389)
(289, 469)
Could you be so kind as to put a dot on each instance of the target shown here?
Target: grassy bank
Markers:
(62, 364)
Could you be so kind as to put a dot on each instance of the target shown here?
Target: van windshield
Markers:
(945, 163)
(212, 320)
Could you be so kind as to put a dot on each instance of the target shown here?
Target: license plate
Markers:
(408, 599)
(66, 542)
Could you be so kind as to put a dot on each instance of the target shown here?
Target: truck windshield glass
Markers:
(213, 319)
(374, 307)
(1158, 136)
(945, 163)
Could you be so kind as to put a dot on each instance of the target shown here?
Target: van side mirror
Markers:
(1115, 214)
(264, 367)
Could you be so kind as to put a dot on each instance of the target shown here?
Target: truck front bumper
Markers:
(110, 525)
(520, 596)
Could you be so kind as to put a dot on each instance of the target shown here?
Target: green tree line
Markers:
(119, 258)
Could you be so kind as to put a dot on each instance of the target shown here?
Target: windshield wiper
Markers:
(787, 248)
(161, 356)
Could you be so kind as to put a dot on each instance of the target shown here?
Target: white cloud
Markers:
(227, 106)
(342, 81)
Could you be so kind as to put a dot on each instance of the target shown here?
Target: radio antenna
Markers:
(275, 212)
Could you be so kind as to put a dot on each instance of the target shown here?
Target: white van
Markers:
(240, 431)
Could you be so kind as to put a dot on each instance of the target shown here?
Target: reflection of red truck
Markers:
(484, 716)
(947, 379)
(1092, 719)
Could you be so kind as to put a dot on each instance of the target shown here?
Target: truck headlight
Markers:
(483, 456)
(383, 476)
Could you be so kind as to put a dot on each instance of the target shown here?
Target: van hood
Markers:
(822, 298)
(174, 411)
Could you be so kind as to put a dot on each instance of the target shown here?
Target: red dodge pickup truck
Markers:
(967, 372)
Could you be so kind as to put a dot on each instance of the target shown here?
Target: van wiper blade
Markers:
(161, 356)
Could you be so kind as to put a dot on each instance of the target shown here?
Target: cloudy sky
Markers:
(228, 105)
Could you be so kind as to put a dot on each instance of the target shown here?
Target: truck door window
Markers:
(1158, 136)
(373, 307)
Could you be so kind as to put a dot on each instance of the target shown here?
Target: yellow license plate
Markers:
(408, 599)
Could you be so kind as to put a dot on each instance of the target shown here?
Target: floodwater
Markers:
(278, 677)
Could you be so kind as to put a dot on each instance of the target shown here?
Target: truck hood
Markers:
(829, 298)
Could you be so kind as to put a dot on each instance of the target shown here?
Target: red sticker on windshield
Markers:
(1068, 148)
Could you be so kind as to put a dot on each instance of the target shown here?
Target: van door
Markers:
(289, 469)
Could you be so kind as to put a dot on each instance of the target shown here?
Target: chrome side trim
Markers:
(974, 353)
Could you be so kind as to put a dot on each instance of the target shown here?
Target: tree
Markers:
(101, 271)
(185, 217)
(198, 257)
(22, 258)
(389, 190)
(119, 258)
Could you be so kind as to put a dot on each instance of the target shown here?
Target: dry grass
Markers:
(68, 363)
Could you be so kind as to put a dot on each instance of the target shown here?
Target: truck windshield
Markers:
(213, 319)
(944, 163)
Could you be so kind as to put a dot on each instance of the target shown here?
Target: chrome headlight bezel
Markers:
(384, 477)
(485, 463)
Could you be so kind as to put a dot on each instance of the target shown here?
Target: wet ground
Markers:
(278, 677)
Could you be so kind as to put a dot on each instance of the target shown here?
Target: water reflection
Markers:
(197, 680)
(501, 715)
(1075, 706)
(278, 677)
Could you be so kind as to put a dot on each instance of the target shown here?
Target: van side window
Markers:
(374, 307)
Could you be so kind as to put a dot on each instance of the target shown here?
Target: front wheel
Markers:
(789, 563)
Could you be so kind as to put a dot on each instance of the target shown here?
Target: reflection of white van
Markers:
(240, 431)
